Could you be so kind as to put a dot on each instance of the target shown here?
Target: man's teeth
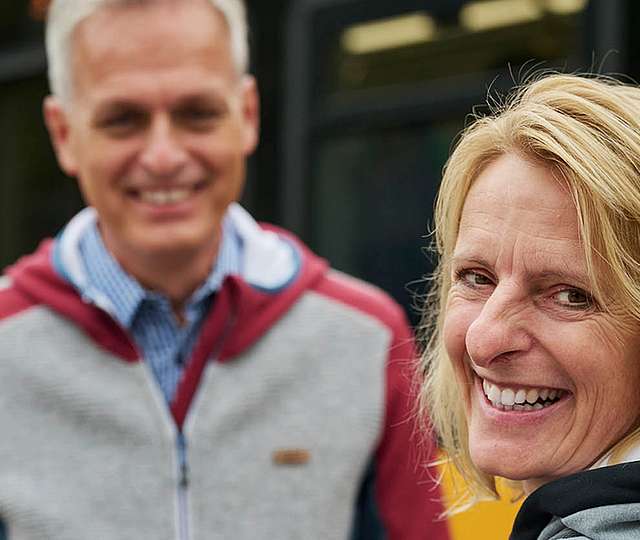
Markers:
(169, 196)
(520, 400)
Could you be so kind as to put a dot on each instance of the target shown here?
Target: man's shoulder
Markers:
(5, 282)
(312, 274)
(362, 296)
(12, 301)
(28, 282)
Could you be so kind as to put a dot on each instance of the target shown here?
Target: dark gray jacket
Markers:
(599, 504)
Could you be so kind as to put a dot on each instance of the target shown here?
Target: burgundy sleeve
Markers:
(408, 498)
(399, 498)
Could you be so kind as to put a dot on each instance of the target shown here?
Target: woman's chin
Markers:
(506, 462)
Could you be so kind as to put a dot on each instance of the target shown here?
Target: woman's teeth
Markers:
(530, 399)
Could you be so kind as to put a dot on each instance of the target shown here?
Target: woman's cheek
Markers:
(458, 318)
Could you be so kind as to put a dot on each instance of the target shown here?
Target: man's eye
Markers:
(198, 116)
(574, 299)
(121, 122)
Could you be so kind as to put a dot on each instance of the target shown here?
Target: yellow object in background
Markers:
(490, 520)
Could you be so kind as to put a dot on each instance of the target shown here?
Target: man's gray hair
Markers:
(65, 15)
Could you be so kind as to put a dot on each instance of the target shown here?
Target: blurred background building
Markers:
(361, 100)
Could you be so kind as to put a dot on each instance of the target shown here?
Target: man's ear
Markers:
(57, 121)
(250, 113)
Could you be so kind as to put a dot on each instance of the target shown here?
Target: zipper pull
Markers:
(182, 461)
(184, 475)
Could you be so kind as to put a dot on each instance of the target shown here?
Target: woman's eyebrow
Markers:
(463, 258)
(564, 274)
(568, 276)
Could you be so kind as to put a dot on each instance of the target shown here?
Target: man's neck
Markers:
(176, 275)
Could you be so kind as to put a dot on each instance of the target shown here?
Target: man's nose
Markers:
(163, 154)
(502, 328)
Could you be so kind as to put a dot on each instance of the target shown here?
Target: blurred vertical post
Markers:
(38, 9)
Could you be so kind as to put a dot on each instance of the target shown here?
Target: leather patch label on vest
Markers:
(291, 456)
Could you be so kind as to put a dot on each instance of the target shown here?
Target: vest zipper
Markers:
(183, 487)
(181, 444)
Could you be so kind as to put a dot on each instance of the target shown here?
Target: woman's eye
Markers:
(574, 299)
(472, 278)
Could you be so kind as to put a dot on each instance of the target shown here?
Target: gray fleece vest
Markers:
(90, 446)
(292, 421)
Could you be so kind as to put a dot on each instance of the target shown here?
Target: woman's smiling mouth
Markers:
(520, 399)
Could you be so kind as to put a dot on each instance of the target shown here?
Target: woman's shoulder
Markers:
(602, 503)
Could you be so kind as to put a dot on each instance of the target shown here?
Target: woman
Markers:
(533, 360)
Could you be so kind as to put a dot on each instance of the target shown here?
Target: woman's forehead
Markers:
(516, 209)
(512, 185)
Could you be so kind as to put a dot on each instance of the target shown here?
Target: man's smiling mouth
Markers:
(165, 196)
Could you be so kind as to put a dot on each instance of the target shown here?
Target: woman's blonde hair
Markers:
(586, 130)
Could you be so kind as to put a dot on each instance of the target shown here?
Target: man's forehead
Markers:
(174, 40)
(127, 14)
(121, 28)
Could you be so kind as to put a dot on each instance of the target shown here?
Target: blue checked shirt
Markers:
(147, 315)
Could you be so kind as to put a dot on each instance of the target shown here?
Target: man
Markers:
(169, 369)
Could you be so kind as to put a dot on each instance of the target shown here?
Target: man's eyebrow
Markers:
(115, 106)
(202, 98)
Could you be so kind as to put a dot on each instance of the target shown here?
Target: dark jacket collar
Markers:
(616, 484)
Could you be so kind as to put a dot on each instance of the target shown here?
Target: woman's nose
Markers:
(501, 329)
